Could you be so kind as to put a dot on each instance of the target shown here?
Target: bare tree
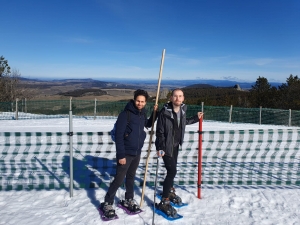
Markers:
(10, 88)
(164, 93)
(8, 83)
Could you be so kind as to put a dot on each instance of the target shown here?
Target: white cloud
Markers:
(257, 61)
(291, 63)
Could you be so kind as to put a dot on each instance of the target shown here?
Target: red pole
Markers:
(200, 158)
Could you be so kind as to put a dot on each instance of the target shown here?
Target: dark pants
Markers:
(128, 170)
(171, 166)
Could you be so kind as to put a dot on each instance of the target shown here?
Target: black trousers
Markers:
(171, 166)
(128, 170)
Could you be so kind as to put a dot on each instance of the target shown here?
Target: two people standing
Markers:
(130, 139)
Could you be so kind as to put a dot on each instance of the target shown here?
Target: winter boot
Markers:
(130, 205)
(107, 210)
(174, 198)
(166, 207)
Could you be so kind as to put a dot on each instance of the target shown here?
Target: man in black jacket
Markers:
(170, 130)
(129, 138)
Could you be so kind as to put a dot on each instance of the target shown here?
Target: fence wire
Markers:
(98, 109)
(40, 160)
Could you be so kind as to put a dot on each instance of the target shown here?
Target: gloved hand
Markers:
(160, 153)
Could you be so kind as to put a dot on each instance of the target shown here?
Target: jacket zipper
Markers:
(173, 139)
(173, 134)
(139, 134)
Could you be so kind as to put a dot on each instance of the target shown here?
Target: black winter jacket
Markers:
(165, 128)
(130, 137)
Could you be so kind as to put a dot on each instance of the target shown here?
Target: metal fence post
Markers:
(230, 113)
(202, 107)
(95, 109)
(260, 109)
(16, 116)
(25, 106)
(70, 103)
(290, 117)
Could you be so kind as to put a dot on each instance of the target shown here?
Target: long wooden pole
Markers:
(153, 120)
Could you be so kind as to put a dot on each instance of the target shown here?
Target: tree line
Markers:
(261, 94)
(84, 92)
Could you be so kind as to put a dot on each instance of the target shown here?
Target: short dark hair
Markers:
(139, 92)
(176, 89)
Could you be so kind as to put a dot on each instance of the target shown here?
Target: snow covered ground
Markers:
(218, 205)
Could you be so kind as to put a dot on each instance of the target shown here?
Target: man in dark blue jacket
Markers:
(129, 138)
(170, 129)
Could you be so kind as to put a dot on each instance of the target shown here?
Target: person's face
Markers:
(177, 98)
(140, 102)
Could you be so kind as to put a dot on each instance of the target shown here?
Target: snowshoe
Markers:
(159, 212)
(174, 199)
(107, 212)
(166, 207)
(130, 206)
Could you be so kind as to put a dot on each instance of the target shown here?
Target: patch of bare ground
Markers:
(86, 89)
(112, 95)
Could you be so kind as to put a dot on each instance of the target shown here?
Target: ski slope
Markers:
(218, 205)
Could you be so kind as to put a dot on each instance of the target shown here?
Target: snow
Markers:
(219, 204)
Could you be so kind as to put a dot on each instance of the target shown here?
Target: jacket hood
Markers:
(169, 108)
(130, 106)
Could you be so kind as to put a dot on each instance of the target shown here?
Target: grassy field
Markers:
(56, 90)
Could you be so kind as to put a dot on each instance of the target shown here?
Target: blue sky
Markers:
(214, 39)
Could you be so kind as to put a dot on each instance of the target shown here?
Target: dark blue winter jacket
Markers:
(130, 137)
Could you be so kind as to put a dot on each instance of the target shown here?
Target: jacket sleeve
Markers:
(120, 130)
(160, 141)
(149, 121)
(192, 120)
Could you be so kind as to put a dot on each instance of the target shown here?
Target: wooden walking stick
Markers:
(153, 120)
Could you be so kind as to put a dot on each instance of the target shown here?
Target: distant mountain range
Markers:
(185, 83)
(133, 83)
